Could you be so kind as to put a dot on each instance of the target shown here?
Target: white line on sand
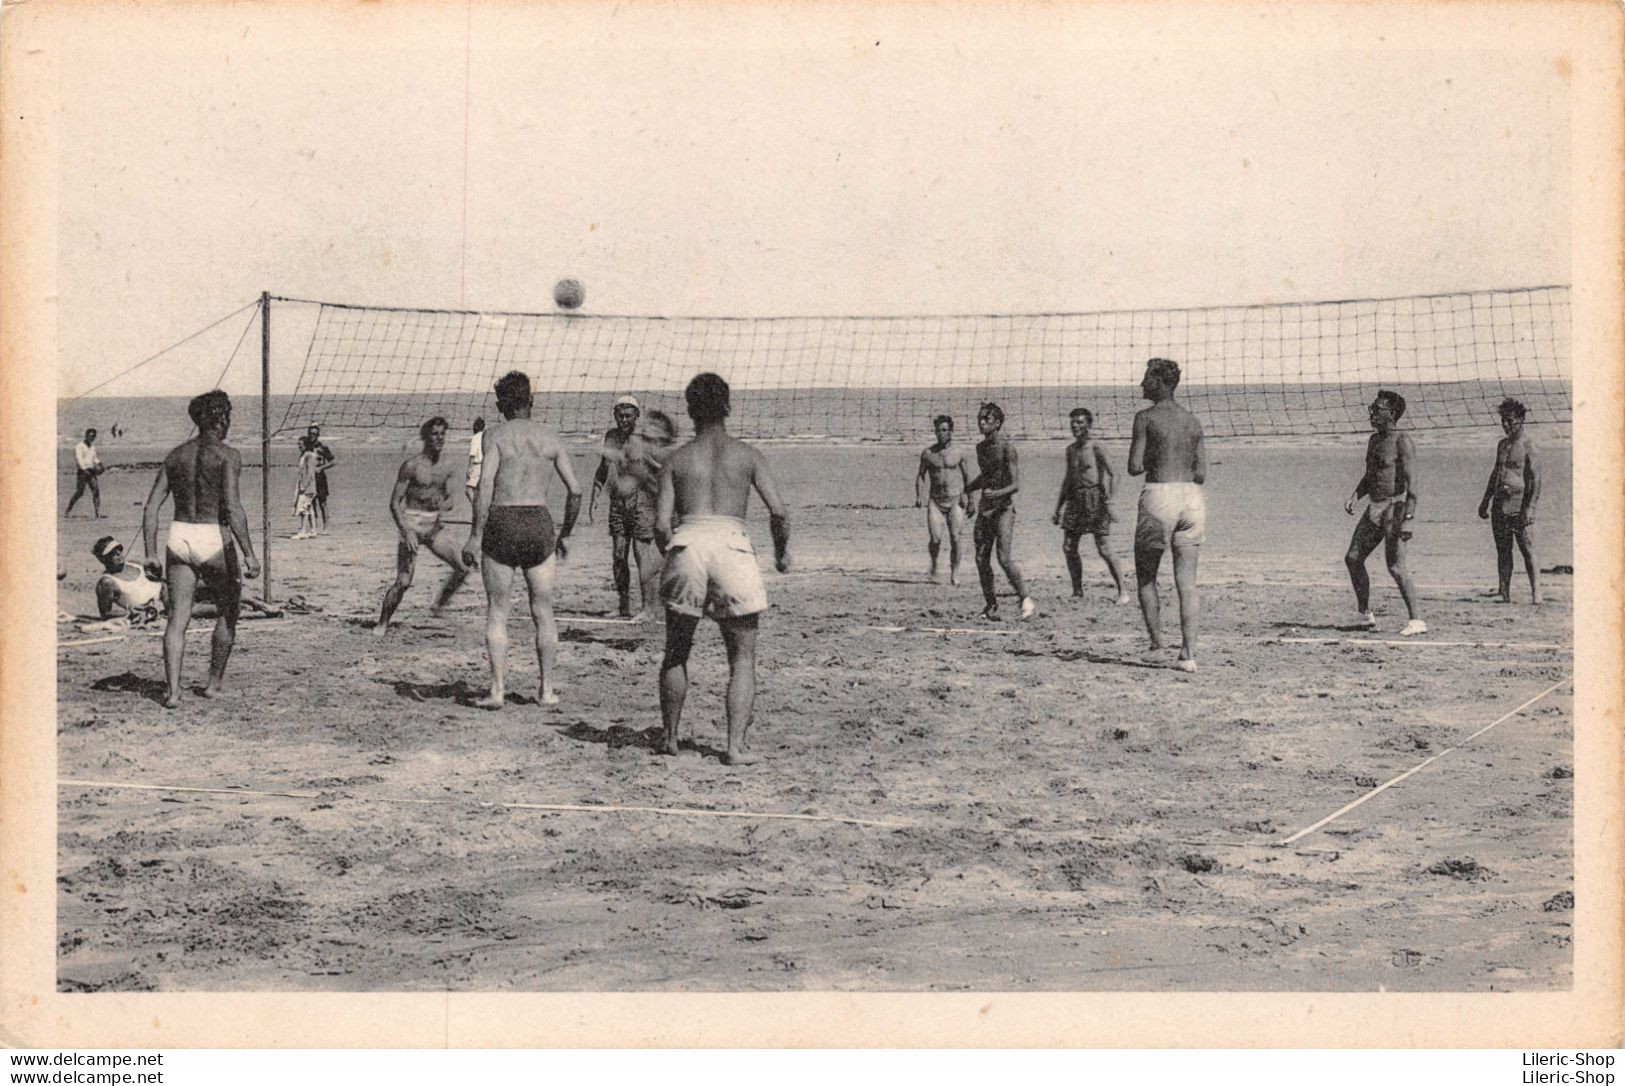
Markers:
(938, 629)
(1417, 642)
(583, 808)
(1341, 811)
(90, 641)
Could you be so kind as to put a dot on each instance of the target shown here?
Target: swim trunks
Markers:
(1087, 511)
(711, 570)
(1176, 511)
(194, 544)
(423, 523)
(1509, 501)
(1503, 522)
(988, 522)
(946, 505)
(633, 515)
(1386, 515)
(518, 535)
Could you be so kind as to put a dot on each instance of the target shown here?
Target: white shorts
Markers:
(474, 473)
(711, 570)
(195, 544)
(1176, 511)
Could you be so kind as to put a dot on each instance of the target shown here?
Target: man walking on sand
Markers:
(710, 564)
(513, 531)
(87, 471)
(999, 480)
(203, 474)
(1167, 449)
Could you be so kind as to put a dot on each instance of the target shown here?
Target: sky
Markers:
(768, 161)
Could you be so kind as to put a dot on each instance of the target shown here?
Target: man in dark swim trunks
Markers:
(203, 474)
(513, 530)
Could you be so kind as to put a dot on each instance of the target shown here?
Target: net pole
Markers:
(265, 441)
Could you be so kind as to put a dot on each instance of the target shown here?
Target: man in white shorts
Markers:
(204, 476)
(710, 563)
(1167, 449)
(476, 461)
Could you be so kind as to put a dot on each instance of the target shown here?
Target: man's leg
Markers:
(739, 635)
(78, 492)
(539, 579)
(1394, 552)
(674, 675)
(1189, 602)
(1147, 561)
(443, 548)
(648, 559)
(405, 564)
(935, 525)
(221, 576)
(984, 536)
(1074, 564)
(96, 495)
(1364, 540)
(1006, 524)
(1103, 544)
(498, 580)
(619, 544)
(1525, 535)
(1502, 533)
(182, 582)
(956, 528)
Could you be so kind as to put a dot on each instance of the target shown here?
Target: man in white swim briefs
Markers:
(1167, 449)
(946, 466)
(710, 563)
(422, 494)
(203, 475)
(1390, 484)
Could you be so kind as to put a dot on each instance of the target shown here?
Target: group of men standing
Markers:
(678, 513)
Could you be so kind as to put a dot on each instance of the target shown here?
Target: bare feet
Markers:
(1185, 663)
(1122, 598)
(1413, 627)
(379, 629)
(1028, 607)
(172, 699)
(991, 612)
(492, 701)
(668, 746)
(548, 696)
(1077, 593)
(953, 576)
(740, 757)
(211, 691)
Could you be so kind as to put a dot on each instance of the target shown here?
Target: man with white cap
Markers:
(628, 463)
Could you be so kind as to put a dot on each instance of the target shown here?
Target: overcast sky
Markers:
(768, 162)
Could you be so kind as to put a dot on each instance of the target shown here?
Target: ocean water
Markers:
(1279, 413)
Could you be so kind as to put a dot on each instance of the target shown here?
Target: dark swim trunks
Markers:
(518, 535)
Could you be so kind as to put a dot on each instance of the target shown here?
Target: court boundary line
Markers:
(1415, 642)
(1373, 793)
(574, 808)
(939, 629)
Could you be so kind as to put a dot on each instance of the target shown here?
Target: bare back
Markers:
(1169, 439)
(713, 474)
(526, 454)
(197, 473)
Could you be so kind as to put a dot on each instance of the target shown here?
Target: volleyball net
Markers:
(1298, 369)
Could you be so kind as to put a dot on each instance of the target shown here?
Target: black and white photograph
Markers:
(594, 502)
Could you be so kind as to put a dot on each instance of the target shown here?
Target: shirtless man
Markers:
(421, 496)
(946, 466)
(710, 564)
(1084, 506)
(999, 478)
(203, 475)
(1390, 482)
(1167, 449)
(625, 469)
(513, 530)
(1510, 501)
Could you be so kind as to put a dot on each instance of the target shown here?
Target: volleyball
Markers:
(568, 294)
